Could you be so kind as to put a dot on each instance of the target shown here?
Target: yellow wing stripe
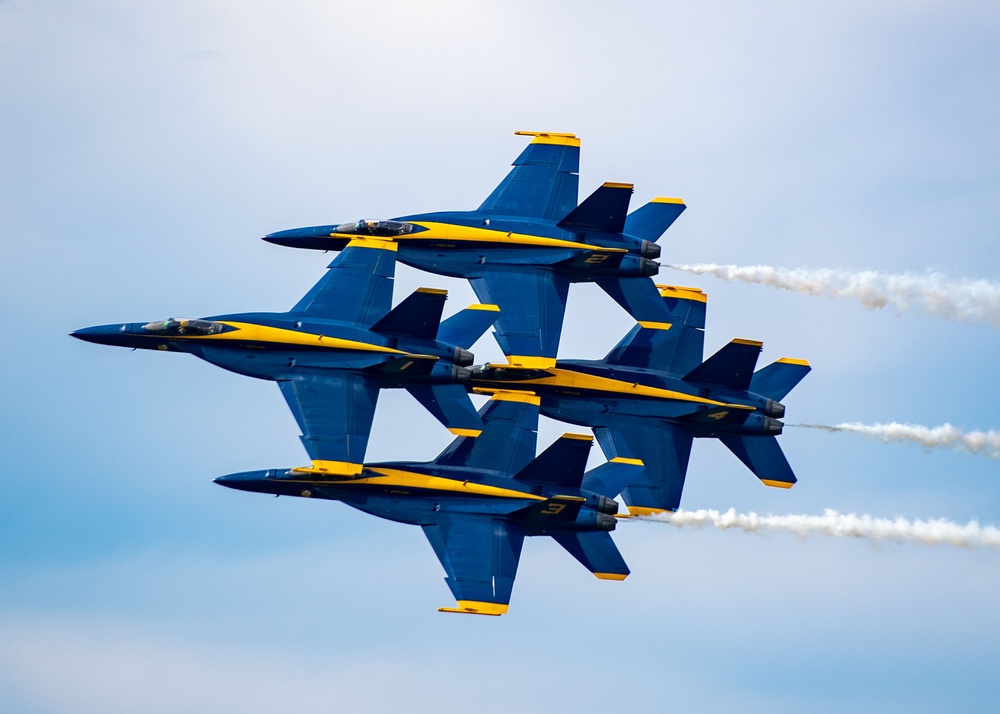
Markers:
(645, 511)
(250, 332)
(432, 291)
(646, 324)
(480, 306)
(409, 479)
(331, 468)
(551, 137)
(578, 437)
(776, 484)
(752, 343)
(466, 432)
(626, 460)
(474, 607)
(612, 184)
(367, 242)
(789, 360)
(611, 576)
(682, 293)
(664, 199)
(449, 232)
(510, 395)
(578, 380)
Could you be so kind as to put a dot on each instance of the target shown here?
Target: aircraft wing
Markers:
(544, 182)
(480, 556)
(334, 413)
(357, 287)
(673, 342)
(532, 305)
(664, 450)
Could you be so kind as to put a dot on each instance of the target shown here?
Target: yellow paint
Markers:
(474, 607)
(752, 343)
(664, 199)
(682, 293)
(432, 291)
(611, 576)
(570, 379)
(579, 437)
(531, 362)
(250, 332)
(789, 360)
(510, 395)
(373, 242)
(644, 511)
(776, 484)
(480, 306)
(647, 325)
(626, 460)
(410, 479)
(331, 468)
(612, 184)
(466, 432)
(449, 232)
(551, 137)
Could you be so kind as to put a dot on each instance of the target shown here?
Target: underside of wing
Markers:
(673, 342)
(357, 287)
(532, 305)
(664, 450)
(335, 414)
(544, 182)
(480, 556)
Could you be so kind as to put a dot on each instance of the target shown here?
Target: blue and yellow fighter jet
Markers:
(527, 242)
(652, 395)
(480, 497)
(334, 351)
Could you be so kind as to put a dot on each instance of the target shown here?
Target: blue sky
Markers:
(144, 151)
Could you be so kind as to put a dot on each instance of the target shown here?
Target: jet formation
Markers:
(646, 401)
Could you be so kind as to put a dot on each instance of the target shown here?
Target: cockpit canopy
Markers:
(376, 228)
(184, 326)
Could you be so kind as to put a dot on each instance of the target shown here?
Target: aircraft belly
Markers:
(468, 260)
(277, 364)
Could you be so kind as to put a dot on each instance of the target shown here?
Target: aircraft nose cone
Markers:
(103, 334)
(246, 481)
(310, 237)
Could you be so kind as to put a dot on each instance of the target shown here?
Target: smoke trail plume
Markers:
(931, 532)
(933, 293)
(985, 443)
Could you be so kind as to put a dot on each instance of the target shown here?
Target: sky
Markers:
(145, 149)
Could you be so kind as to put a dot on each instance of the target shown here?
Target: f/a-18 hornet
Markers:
(334, 351)
(478, 500)
(652, 395)
(527, 242)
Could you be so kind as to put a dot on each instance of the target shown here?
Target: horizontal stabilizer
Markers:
(776, 380)
(763, 456)
(597, 552)
(652, 220)
(417, 316)
(610, 478)
(562, 464)
(507, 442)
(465, 327)
(604, 210)
(450, 405)
(731, 367)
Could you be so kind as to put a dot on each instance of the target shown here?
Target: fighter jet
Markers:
(334, 351)
(527, 242)
(480, 497)
(652, 395)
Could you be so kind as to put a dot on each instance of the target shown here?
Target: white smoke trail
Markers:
(934, 293)
(931, 532)
(985, 443)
